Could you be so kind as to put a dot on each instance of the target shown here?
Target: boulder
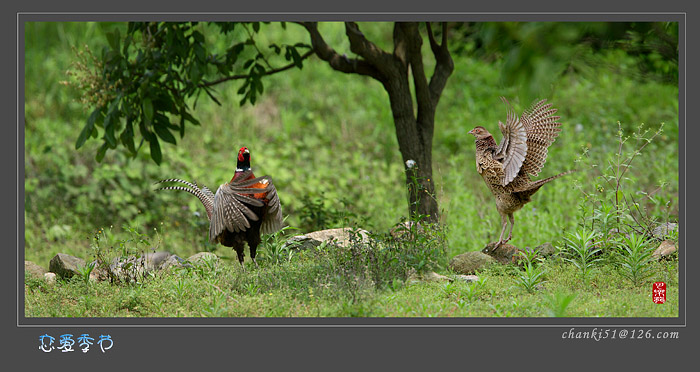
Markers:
(469, 262)
(431, 276)
(504, 254)
(546, 249)
(467, 278)
(34, 270)
(133, 268)
(65, 265)
(50, 278)
(663, 230)
(339, 237)
(666, 248)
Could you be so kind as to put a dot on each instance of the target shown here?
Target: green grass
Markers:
(301, 289)
(328, 141)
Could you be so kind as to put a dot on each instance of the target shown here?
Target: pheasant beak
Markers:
(246, 151)
(472, 132)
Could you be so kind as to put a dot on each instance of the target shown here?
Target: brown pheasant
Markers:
(506, 167)
(241, 209)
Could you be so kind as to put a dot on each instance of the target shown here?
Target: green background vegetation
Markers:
(328, 141)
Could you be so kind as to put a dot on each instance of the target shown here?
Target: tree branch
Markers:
(244, 76)
(365, 48)
(443, 66)
(414, 41)
(335, 60)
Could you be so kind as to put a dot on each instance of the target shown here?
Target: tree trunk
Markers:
(414, 130)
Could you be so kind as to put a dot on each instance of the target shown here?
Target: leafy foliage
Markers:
(147, 79)
(538, 53)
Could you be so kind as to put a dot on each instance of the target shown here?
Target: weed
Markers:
(634, 255)
(84, 272)
(274, 247)
(532, 274)
(558, 303)
(582, 250)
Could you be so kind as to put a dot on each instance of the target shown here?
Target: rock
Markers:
(467, 278)
(34, 270)
(65, 265)
(339, 237)
(546, 249)
(175, 261)
(155, 260)
(201, 257)
(414, 277)
(504, 254)
(469, 262)
(434, 277)
(663, 230)
(132, 268)
(666, 248)
(50, 278)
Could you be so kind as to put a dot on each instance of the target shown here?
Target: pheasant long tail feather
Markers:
(537, 184)
(205, 197)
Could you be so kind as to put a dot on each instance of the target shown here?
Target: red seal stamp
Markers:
(658, 292)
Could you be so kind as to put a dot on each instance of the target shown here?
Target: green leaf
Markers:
(147, 106)
(87, 129)
(101, 152)
(109, 132)
(186, 115)
(127, 136)
(163, 132)
(155, 150)
(113, 39)
(248, 63)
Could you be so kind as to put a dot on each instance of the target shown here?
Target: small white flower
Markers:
(578, 127)
(410, 163)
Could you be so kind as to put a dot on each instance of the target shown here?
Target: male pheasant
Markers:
(506, 167)
(241, 209)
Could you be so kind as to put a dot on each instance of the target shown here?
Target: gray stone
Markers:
(469, 262)
(431, 276)
(467, 278)
(34, 270)
(50, 278)
(435, 277)
(65, 265)
(132, 268)
(546, 249)
(666, 248)
(338, 237)
(155, 260)
(505, 254)
(663, 230)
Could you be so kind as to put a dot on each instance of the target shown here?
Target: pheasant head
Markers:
(243, 163)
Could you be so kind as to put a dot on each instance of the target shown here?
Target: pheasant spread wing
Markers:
(272, 220)
(542, 129)
(513, 149)
(232, 203)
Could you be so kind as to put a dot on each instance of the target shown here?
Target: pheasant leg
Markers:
(512, 224)
(504, 224)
